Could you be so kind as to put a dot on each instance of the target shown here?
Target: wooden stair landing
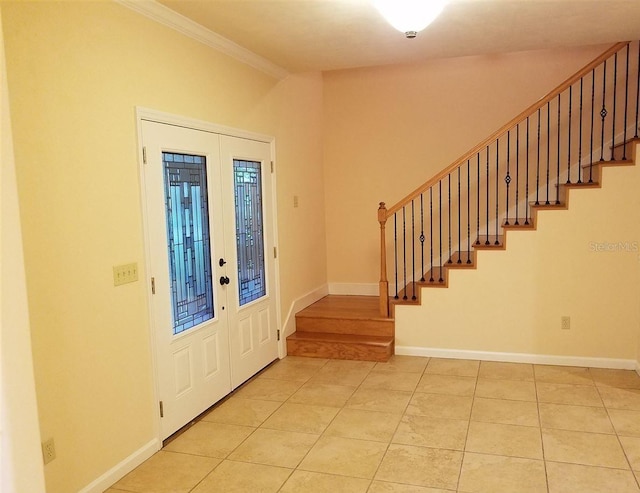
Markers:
(343, 327)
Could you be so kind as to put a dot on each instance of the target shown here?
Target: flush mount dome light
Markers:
(410, 16)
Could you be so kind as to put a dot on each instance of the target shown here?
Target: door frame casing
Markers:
(146, 114)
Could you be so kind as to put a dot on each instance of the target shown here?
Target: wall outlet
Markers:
(122, 274)
(565, 323)
(48, 450)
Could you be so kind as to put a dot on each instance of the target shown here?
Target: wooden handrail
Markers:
(492, 138)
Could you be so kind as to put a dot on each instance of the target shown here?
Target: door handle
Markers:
(221, 262)
(224, 280)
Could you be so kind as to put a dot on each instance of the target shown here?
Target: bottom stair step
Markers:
(340, 346)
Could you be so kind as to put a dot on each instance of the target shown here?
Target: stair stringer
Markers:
(512, 302)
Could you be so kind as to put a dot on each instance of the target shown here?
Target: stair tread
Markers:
(345, 307)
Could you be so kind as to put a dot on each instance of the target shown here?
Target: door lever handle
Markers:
(221, 262)
(224, 280)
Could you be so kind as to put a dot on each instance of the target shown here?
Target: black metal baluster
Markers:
(449, 202)
(395, 249)
(413, 249)
(548, 148)
(593, 109)
(526, 188)
(440, 221)
(615, 91)
(404, 252)
(487, 242)
(507, 179)
(478, 200)
(497, 187)
(459, 238)
(422, 234)
(468, 212)
(431, 233)
(517, 172)
(626, 104)
(569, 144)
(558, 160)
(580, 139)
(603, 111)
(538, 164)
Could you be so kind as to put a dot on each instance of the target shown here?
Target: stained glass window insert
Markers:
(247, 180)
(189, 244)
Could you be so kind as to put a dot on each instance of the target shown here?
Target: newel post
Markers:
(384, 284)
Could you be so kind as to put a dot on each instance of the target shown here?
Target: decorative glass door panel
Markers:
(247, 185)
(189, 244)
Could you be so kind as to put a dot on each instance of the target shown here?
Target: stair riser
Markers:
(337, 350)
(345, 326)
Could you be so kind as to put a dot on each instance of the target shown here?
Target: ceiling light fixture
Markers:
(410, 16)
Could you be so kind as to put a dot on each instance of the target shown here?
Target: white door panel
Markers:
(209, 337)
(249, 222)
(193, 365)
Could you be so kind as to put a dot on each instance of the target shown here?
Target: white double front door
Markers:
(209, 222)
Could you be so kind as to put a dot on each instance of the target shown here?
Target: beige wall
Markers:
(389, 129)
(19, 433)
(513, 302)
(76, 72)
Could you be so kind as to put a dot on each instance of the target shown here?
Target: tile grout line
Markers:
(544, 458)
(466, 437)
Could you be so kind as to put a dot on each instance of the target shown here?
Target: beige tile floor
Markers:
(413, 425)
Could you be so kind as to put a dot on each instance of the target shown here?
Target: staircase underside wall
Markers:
(583, 263)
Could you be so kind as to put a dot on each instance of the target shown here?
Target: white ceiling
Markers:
(310, 35)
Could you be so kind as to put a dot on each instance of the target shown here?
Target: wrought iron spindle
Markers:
(413, 250)
(497, 188)
(449, 210)
(395, 250)
(548, 148)
(487, 242)
(440, 221)
(459, 237)
(580, 139)
(526, 188)
(404, 252)
(468, 212)
(626, 104)
(615, 91)
(507, 179)
(431, 234)
(603, 111)
(538, 164)
(478, 200)
(517, 171)
(422, 238)
(558, 160)
(569, 136)
(593, 109)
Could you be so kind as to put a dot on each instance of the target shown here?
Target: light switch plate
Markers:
(123, 274)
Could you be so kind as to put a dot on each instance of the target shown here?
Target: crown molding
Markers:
(164, 15)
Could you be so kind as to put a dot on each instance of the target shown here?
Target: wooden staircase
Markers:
(425, 228)
(343, 327)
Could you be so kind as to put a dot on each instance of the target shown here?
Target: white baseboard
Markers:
(354, 289)
(120, 470)
(301, 303)
(540, 359)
